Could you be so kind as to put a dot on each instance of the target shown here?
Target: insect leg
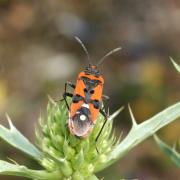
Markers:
(106, 118)
(64, 98)
(69, 84)
(66, 93)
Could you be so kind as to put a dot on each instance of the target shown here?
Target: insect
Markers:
(87, 97)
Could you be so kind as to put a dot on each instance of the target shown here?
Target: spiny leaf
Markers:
(175, 64)
(7, 168)
(134, 123)
(169, 151)
(16, 139)
(113, 116)
(141, 132)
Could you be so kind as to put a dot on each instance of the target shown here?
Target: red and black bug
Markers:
(87, 98)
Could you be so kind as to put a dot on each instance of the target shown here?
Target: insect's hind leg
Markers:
(105, 120)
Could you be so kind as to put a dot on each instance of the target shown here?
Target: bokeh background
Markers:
(38, 54)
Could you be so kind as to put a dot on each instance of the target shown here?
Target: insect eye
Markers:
(92, 91)
(85, 90)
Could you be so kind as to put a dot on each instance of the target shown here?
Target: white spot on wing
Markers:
(82, 117)
(85, 105)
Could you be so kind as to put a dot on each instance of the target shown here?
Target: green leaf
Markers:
(169, 151)
(17, 140)
(7, 168)
(175, 64)
(139, 133)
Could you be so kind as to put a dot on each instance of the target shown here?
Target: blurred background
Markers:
(38, 54)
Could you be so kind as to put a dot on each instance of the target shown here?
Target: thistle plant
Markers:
(171, 152)
(64, 156)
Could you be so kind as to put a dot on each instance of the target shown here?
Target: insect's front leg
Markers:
(67, 94)
(70, 84)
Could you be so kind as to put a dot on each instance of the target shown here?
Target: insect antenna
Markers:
(108, 54)
(84, 48)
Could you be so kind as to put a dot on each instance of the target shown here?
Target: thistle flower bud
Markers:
(74, 158)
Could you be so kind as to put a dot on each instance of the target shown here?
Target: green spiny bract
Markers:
(74, 158)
